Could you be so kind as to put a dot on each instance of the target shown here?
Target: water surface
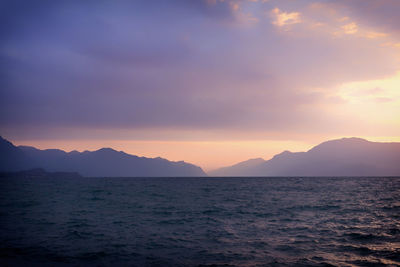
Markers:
(200, 221)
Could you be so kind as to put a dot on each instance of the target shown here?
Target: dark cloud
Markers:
(383, 14)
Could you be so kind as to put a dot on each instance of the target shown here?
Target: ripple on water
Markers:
(200, 222)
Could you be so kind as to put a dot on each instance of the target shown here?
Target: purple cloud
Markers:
(170, 64)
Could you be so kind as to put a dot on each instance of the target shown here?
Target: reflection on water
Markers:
(200, 221)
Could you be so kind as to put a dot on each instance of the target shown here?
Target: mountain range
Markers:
(341, 157)
(99, 163)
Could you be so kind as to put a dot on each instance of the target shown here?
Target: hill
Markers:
(102, 162)
(342, 157)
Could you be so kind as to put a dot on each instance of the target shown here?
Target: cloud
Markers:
(178, 66)
(368, 92)
(374, 35)
(383, 99)
(382, 15)
(350, 28)
(280, 18)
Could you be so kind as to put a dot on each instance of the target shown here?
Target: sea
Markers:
(200, 221)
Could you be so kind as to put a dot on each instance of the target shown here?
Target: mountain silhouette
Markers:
(238, 169)
(103, 162)
(342, 157)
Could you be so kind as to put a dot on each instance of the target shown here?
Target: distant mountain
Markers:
(238, 169)
(102, 162)
(11, 157)
(342, 157)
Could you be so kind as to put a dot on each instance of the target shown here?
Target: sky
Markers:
(211, 82)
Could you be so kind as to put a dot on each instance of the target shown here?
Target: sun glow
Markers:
(375, 100)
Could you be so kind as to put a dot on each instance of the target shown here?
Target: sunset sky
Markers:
(211, 82)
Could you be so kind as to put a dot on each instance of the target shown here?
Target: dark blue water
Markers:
(200, 222)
